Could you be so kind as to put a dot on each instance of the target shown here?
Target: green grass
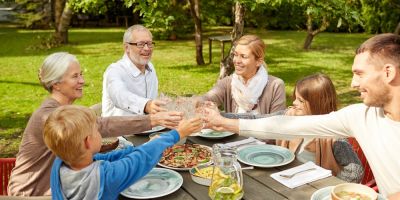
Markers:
(21, 94)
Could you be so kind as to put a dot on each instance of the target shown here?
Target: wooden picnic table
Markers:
(223, 39)
(257, 183)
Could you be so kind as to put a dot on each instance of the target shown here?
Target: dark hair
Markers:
(319, 91)
(384, 47)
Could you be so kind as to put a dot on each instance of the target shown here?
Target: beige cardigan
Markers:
(31, 174)
(272, 99)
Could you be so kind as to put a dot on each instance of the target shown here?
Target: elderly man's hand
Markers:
(154, 106)
(169, 119)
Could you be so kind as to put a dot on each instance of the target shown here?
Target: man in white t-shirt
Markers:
(375, 123)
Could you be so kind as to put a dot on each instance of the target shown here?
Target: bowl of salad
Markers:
(353, 191)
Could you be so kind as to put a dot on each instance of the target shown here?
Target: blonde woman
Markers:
(250, 89)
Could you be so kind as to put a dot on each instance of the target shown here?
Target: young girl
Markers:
(316, 95)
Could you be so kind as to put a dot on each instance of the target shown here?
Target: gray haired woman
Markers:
(61, 75)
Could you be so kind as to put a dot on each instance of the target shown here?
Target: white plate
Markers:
(211, 134)
(154, 129)
(325, 194)
(322, 194)
(188, 168)
(157, 183)
(265, 155)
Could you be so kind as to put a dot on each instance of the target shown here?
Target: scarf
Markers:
(246, 96)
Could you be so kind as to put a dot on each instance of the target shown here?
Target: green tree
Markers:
(34, 13)
(381, 16)
(320, 14)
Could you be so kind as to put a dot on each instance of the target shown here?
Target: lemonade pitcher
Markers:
(227, 178)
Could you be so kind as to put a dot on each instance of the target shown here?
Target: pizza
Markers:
(185, 156)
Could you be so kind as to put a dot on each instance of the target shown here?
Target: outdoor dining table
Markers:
(257, 184)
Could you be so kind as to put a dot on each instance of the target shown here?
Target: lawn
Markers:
(21, 56)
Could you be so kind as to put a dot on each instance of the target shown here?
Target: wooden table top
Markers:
(257, 185)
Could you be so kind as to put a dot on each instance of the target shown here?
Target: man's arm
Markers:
(123, 125)
(395, 196)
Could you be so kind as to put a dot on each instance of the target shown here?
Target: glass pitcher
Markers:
(227, 178)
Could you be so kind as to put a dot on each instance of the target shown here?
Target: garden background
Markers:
(95, 37)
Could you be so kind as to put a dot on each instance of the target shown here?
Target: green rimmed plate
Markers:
(157, 183)
(211, 134)
(265, 155)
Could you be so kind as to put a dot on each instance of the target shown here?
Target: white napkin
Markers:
(304, 177)
(245, 142)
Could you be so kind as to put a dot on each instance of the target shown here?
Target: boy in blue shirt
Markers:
(79, 172)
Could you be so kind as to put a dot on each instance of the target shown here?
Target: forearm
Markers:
(123, 125)
(395, 196)
(231, 125)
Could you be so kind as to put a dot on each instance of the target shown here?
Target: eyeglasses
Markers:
(141, 45)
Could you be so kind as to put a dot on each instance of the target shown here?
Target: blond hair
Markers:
(255, 44)
(54, 68)
(66, 129)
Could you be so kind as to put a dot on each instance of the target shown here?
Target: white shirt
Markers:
(126, 90)
(378, 136)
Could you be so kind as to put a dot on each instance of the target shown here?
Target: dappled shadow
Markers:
(20, 82)
(13, 121)
(202, 69)
(26, 43)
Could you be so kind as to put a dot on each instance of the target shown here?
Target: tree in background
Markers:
(381, 16)
(62, 19)
(34, 13)
(239, 9)
(320, 14)
(226, 65)
(198, 35)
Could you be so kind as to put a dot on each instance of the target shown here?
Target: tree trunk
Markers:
(312, 33)
(58, 10)
(61, 34)
(226, 65)
(308, 41)
(397, 30)
(195, 11)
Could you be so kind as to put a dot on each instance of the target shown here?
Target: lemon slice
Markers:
(225, 190)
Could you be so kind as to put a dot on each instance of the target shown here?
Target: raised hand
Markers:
(167, 119)
(187, 127)
(213, 119)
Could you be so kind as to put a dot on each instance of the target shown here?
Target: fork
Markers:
(294, 174)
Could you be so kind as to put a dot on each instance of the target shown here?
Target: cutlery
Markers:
(250, 167)
(294, 174)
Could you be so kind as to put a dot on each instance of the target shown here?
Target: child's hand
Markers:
(187, 127)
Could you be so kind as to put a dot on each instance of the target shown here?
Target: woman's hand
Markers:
(213, 119)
